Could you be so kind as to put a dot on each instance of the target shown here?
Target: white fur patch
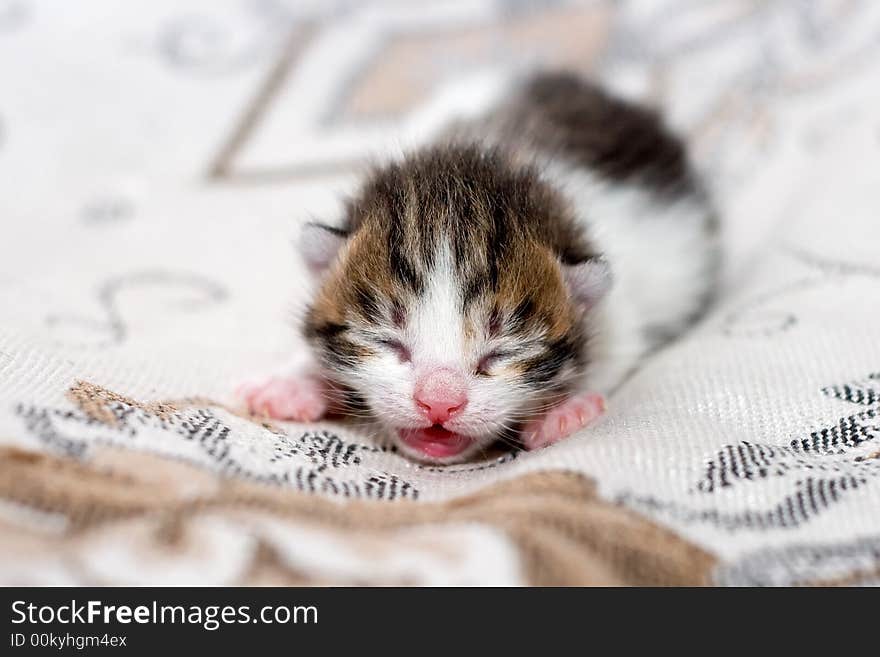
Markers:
(661, 261)
(435, 328)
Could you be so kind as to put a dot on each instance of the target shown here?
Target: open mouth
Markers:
(435, 442)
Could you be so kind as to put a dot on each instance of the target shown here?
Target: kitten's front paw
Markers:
(563, 420)
(300, 399)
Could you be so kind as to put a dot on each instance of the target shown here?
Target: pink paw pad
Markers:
(563, 420)
(280, 398)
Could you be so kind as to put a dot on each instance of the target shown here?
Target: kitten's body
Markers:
(636, 198)
(497, 283)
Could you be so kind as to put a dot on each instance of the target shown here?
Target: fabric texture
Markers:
(155, 164)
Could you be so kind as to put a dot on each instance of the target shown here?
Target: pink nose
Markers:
(440, 394)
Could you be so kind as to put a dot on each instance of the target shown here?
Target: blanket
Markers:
(156, 160)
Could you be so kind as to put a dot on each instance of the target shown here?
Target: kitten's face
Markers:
(446, 308)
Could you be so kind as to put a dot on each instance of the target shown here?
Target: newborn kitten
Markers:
(499, 283)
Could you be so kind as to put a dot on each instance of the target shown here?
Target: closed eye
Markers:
(398, 348)
(487, 361)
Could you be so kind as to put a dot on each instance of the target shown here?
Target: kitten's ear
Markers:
(319, 245)
(588, 280)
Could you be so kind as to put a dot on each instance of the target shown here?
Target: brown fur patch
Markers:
(532, 273)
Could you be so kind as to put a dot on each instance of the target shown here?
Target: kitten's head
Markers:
(451, 301)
